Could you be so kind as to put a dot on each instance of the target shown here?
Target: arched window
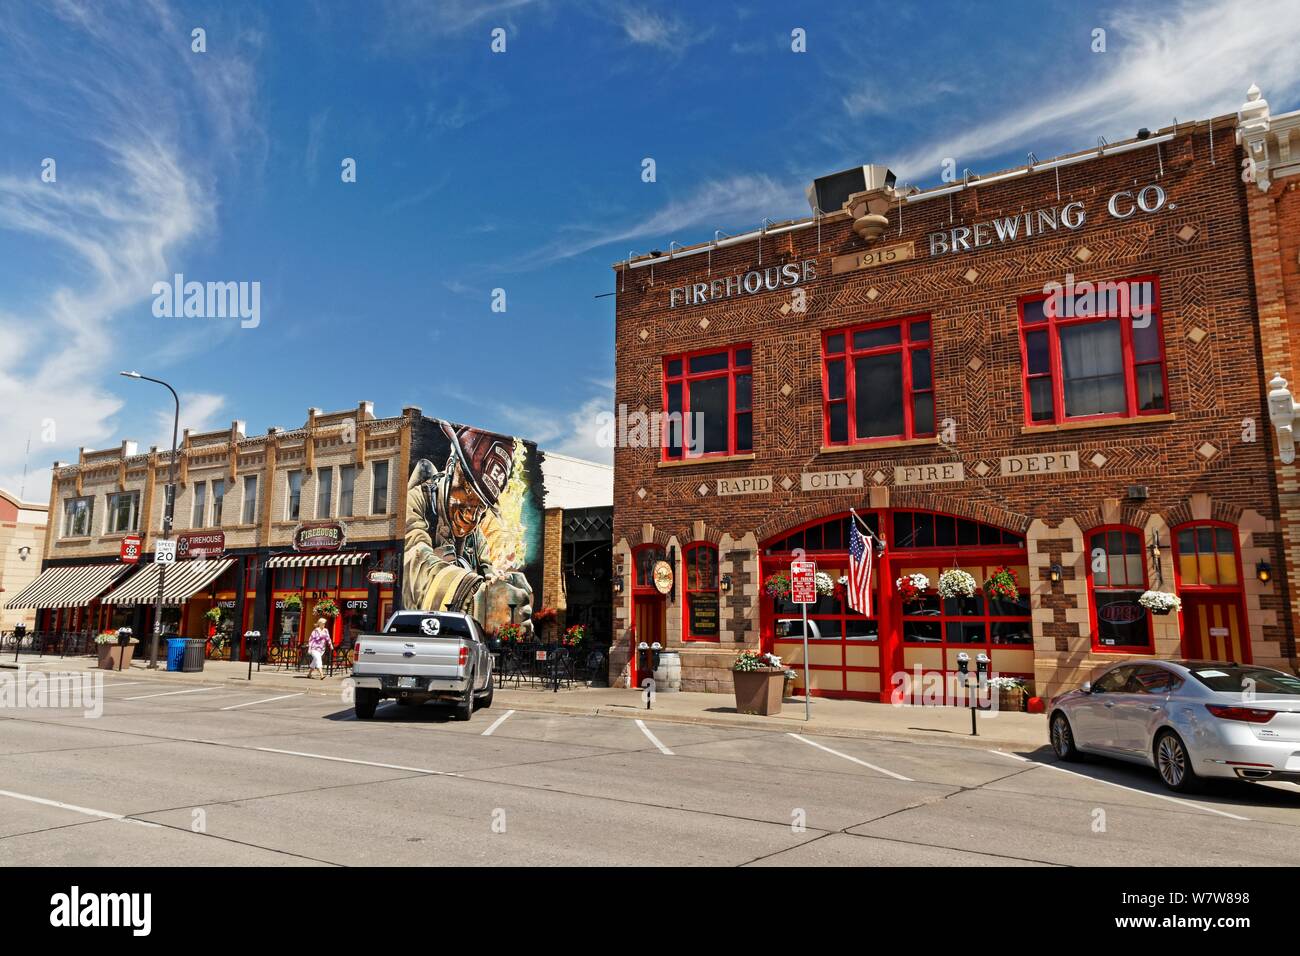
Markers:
(644, 558)
(1117, 576)
(1207, 556)
(702, 605)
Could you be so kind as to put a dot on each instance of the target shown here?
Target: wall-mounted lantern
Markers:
(1056, 574)
(726, 584)
(1264, 572)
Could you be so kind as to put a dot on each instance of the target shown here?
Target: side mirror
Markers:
(1086, 687)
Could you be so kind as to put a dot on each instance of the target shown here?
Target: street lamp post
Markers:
(169, 507)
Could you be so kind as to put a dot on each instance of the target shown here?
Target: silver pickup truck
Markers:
(421, 656)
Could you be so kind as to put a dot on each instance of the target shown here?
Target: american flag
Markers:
(860, 555)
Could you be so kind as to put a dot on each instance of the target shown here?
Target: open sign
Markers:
(1121, 612)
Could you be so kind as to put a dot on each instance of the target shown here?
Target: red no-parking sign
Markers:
(803, 582)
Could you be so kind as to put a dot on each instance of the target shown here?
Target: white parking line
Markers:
(265, 700)
(653, 739)
(103, 814)
(497, 723)
(364, 763)
(171, 693)
(1145, 793)
(871, 766)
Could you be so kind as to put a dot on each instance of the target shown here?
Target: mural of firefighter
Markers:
(473, 524)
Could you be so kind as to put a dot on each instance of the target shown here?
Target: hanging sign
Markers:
(663, 576)
(130, 553)
(192, 545)
(380, 577)
(326, 536)
(803, 582)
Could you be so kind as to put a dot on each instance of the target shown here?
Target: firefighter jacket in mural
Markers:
(440, 571)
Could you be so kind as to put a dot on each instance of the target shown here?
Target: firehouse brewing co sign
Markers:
(767, 279)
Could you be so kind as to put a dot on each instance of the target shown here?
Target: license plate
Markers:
(408, 682)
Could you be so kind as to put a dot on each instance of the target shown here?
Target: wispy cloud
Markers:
(198, 414)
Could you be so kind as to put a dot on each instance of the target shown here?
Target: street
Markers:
(209, 775)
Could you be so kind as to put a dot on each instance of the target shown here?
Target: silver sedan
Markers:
(1188, 719)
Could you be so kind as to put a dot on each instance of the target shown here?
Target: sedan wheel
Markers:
(1173, 763)
(1063, 738)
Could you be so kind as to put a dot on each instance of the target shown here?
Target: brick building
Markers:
(1055, 370)
(268, 526)
(22, 539)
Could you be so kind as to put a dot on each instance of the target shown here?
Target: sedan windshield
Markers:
(1261, 680)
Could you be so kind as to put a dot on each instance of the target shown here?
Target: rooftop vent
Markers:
(829, 193)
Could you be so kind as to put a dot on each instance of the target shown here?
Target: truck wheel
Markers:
(486, 700)
(365, 702)
(465, 708)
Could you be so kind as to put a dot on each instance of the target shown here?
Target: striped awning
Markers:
(316, 560)
(72, 585)
(184, 580)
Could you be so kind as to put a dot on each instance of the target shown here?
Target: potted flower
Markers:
(825, 584)
(327, 608)
(114, 655)
(1002, 584)
(1011, 692)
(213, 616)
(759, 680)
(1160, 602)
(574, 635)
(788, 688)
(912, 586)
(777, 585)
(293, 603)
(956, 583)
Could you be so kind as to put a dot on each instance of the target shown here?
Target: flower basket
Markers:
(825, 584)
(1002, 584)
(777, 585)
(293, 603)
(1011, 693)
(510, 634)
(573, 636)
(956, 583)
(327, 608)
(912, 587)
(212, 615)
(1160, 602)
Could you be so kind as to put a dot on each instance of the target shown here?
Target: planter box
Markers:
(759, 692)
(1011, 700)
(114, 657)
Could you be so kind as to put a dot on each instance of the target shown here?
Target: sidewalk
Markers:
(837, 718)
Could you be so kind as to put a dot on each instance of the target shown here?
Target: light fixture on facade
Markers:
(726, 584)
(1056, 574)
(1154, 549)
(1264, 572)
(24, 552)
(618, 581)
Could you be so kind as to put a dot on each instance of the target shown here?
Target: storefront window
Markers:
(708, 398)
(702, 597)
(830, 618)
(973, 620)
(77, 513)
(123, 512)
(878, 382)
(1094, 349)
(1207, 555)
(1117, 578)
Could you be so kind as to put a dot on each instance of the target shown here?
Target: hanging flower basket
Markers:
(825, 584)
(293, 603)
(777, 585)
(574, 635)
(213, 615)
(510, 634)
(912, 586)
(1160, 602)
(1002, 584)
(327, 608)
(956, 583)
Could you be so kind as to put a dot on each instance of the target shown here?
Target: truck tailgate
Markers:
(409, 655)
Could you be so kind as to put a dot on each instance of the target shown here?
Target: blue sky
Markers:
(477, 170)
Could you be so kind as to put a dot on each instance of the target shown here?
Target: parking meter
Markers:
(963, 663)
(655, 648)
(20, 631)
(123, 639)
(982, 668)
(253, 647)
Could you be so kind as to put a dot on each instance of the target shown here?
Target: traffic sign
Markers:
(803, 582)
(164, 552)
(130, 552)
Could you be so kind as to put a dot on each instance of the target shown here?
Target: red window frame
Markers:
(1053, 325)
(906, 346)
(1194, 526)
(691, 584)
(685, 377)
(1097, 646)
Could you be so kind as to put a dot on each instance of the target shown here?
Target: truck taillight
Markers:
(1251, 715)
(356, 650)
(464, 655)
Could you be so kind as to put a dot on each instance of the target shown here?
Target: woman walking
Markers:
(316, 644)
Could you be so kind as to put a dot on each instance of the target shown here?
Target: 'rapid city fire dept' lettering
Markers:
(768, 279)
(1122, 205)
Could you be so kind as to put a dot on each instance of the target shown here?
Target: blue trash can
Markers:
(175, 653)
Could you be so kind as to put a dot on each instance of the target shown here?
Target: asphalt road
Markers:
(220, 776)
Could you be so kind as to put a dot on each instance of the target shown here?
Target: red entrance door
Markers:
(648, 627)
(1212, 628)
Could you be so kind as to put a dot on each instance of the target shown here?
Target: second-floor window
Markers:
(324, 492)
(218, 500)
(123, 512)
(250, 500)
(77, 513)
(293, 507)
(200, 517)
(878, 382)
(708, 398)
(1093, 350)
(347, 485)
(379, 488)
